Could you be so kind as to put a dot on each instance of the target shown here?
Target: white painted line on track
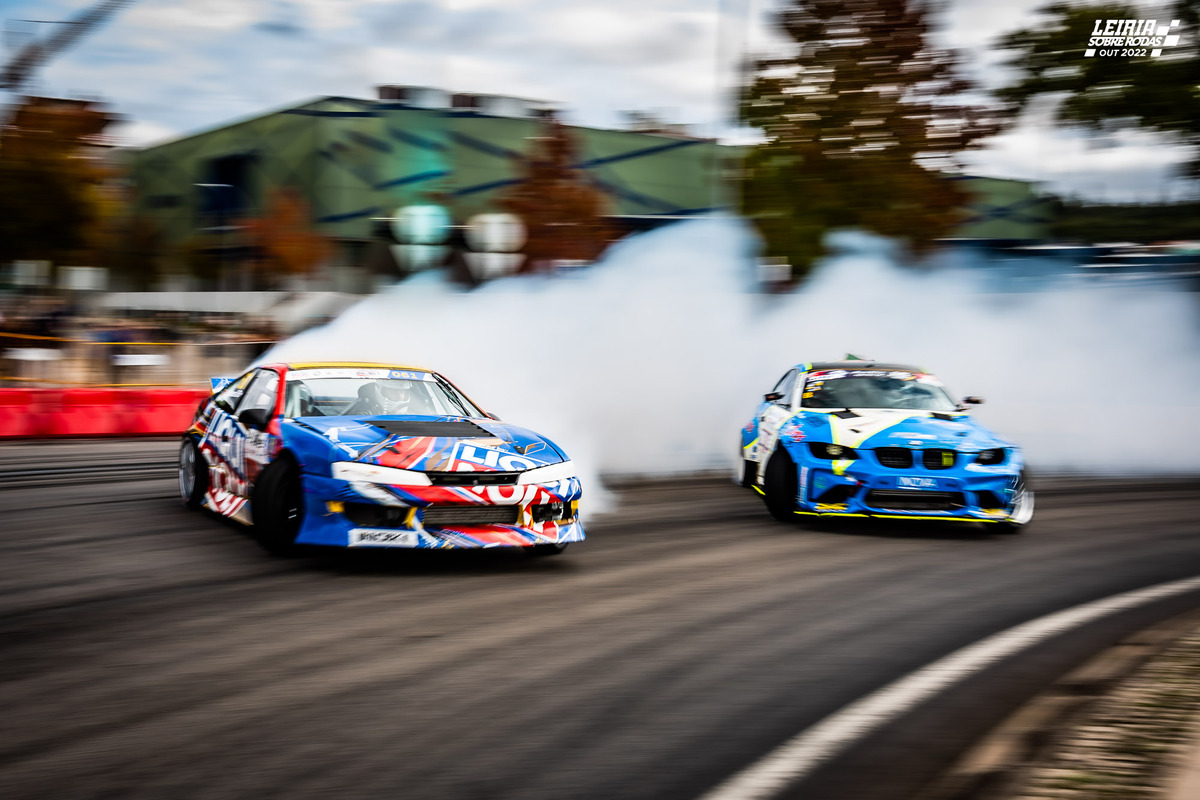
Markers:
(802, 754)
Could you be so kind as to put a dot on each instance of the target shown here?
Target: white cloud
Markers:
(1124, 165)
(139, 133)
(211, 15)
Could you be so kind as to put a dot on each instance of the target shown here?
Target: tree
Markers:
(284, 238)
(49, 170)
(1101, 92)
(859, 121)
(564, 214)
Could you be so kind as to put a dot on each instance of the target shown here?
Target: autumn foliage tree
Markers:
(284, 239)
(861, 122)
(49, 173)
(563, 213)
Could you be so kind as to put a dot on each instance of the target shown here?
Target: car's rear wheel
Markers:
(277, 506)
(779, 487)
(1022, 511)
(554, 549)
(193, 474)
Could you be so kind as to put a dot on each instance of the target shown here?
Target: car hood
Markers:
(875, 427)
(434, 444)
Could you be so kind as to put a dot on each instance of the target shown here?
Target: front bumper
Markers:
(329, 517)
(968, 493)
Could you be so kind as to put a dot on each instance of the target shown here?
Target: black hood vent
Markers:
(447, 427)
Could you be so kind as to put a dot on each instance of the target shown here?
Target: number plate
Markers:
(916, 483)
(382, 537)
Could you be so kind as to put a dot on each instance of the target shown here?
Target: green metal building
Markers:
(1003, 210)
(355, 162)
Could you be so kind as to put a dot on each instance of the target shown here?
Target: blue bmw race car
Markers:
(374, 455)
(865, 439)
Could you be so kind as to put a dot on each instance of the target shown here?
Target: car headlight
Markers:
(554, 472)
(369, 473)
(991, 457)
(833, 452)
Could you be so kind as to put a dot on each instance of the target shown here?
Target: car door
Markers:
(262, 399)
(773, 413)
(237, 452)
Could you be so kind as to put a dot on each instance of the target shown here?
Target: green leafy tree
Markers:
(860, 121)
(1097, 93)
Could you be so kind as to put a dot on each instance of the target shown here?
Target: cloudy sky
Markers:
(170, 67)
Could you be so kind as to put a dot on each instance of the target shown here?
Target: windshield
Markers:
(325, 393)
(875, 388)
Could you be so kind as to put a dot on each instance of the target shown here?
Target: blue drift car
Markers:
(374, 455)
(865, 439)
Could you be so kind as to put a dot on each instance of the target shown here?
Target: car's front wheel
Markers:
(1022, 511)
(193, 474)
(277, 506)
(779, 487)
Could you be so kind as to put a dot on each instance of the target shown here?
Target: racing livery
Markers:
(865, 439)
(374, 455)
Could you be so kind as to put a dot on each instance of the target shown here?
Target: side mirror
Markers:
(490, 415)
(771, 397)
(255, 418)
(972, 401)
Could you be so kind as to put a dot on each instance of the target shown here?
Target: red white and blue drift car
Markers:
(864, 439)
(374, 455)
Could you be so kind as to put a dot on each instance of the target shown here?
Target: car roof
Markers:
(855, 365)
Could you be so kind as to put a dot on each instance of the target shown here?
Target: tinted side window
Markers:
(231, 394)
(784, 387)
(261, 392)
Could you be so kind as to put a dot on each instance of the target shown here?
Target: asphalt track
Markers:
(148, 651)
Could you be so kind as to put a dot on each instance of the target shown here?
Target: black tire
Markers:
(193, 474)
(749, 473)
(539, 550)
(1022, 509)
(277, 506)
(780, 486)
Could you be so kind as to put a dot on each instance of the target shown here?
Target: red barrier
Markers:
(162, 411)
(33, 413)
(23, 412)
(87, 412)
